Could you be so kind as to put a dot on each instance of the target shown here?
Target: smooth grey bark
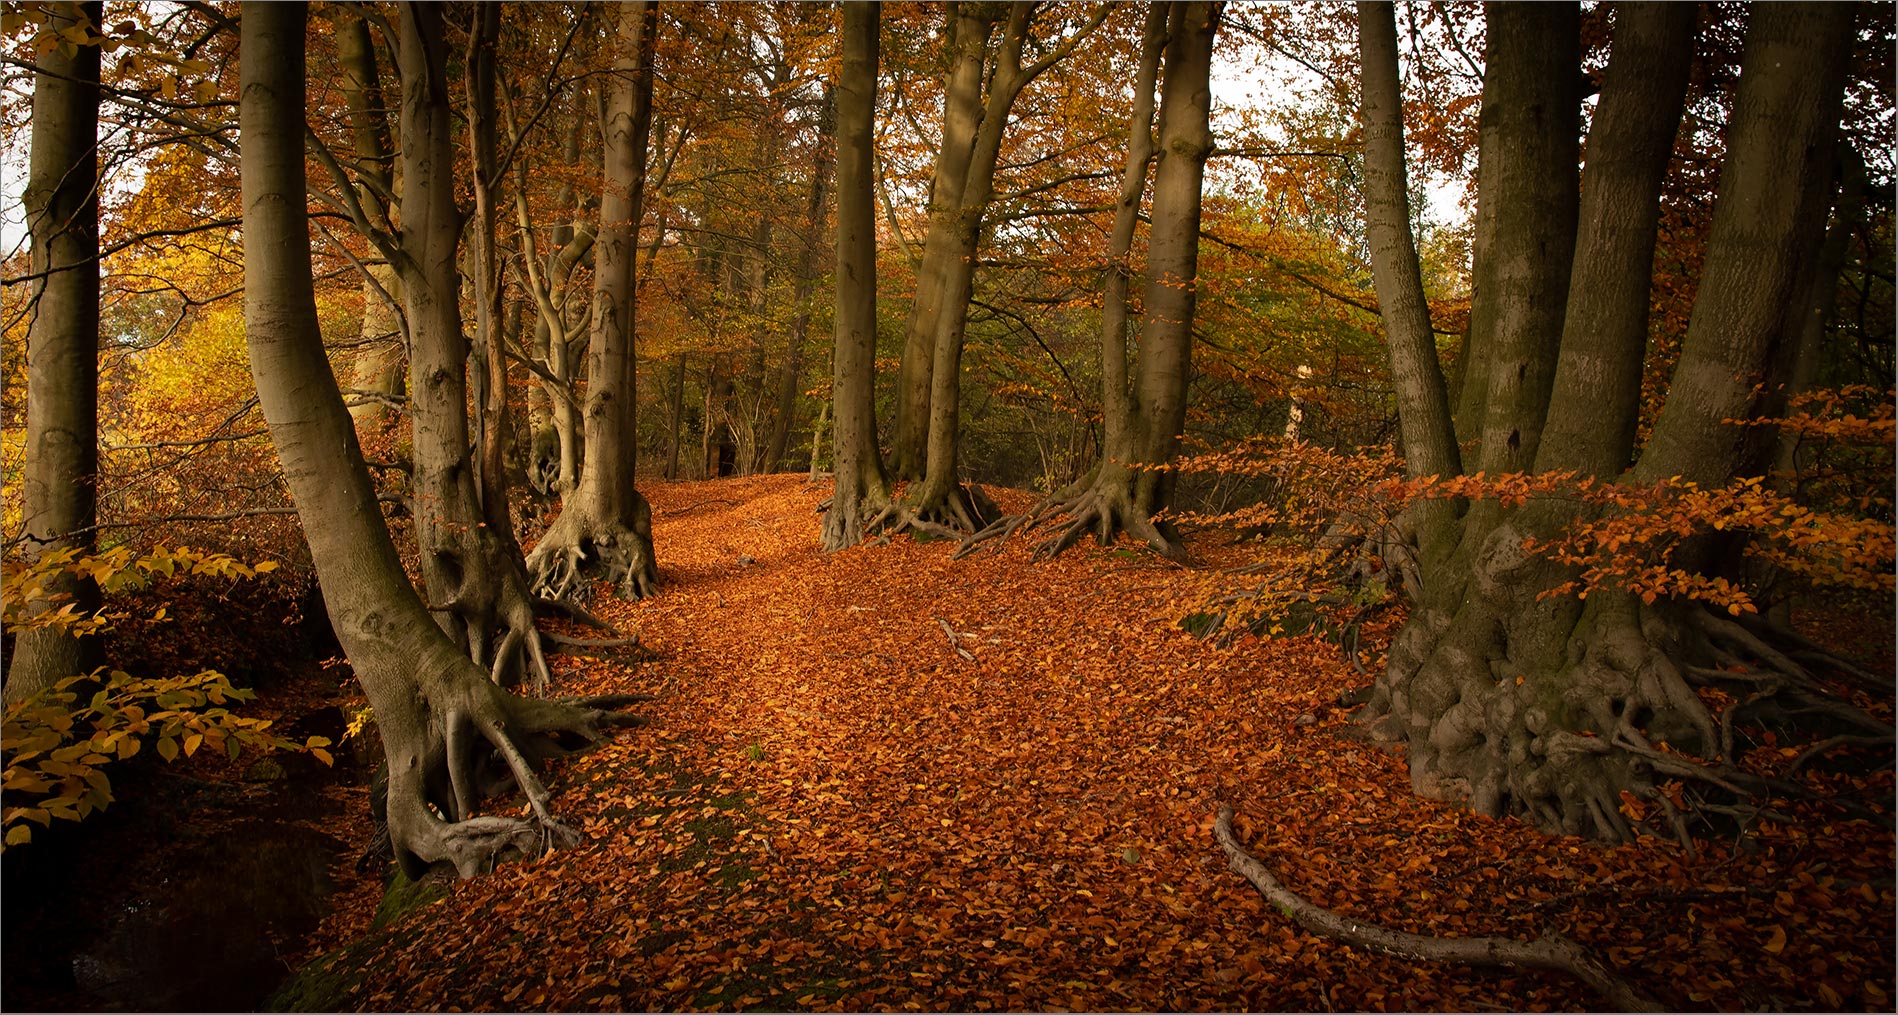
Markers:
(59, 496)
(860, 488)
(439, 717)
(970, 26)
(1145, 401)
(379, 367)
(1423, 407)
(605, 526)
(1591, 419)
(1553, 710)
(554, 462)
(476, 582)
(479, 69)
(939, 503)
(1532, 107)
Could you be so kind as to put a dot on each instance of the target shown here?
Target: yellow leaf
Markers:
(1777, 943)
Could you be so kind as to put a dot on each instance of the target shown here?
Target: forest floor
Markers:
(838, 806)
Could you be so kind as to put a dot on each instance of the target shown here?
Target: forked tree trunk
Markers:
(1562, 711)
(59, 498)
(940, 504)
(970, 26)
(439, 717)
(473, 571)
(605, 526)
(1144, 402)
(860, 488)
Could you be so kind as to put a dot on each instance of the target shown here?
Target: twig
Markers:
(1553, 952)
(966, 655)
(695, 507)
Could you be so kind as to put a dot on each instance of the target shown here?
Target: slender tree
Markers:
(60, 501)
(860, 489)
(440, 718)
(1144, 396)
(605, 526)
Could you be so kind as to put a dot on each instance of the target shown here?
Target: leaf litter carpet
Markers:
(838, 805)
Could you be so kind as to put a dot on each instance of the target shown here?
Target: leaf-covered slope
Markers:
(838, 805)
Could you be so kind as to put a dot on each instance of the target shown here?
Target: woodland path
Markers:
(833, 808)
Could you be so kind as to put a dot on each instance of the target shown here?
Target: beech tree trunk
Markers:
(439, 717)
(1555, 709)
(970, 26)
(791, 369)
(473, 570)
(605, 526)
(59, 499)
(940, 503)
(380, 366)
(1144, 402)
(860, 488)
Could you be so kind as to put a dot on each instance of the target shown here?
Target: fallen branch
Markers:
(694, 507)
(966, 655)
(1554, 952)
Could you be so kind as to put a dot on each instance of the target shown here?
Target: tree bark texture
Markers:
(1145, 401)
(860, 488)
(59, 495)
(1563, 711)
(605, 526)
(473, 571)
(439, 717)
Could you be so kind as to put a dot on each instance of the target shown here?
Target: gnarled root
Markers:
(1104, 509)
(487, 601)
(474, 739)
(1555, 952)
(1615, 720)
(949, 513)
(581, 547)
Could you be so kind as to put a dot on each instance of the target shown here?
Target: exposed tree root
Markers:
(1613, 719)
(490, 599)
(1554, 952)
(580, 548)
(1104, 509)
(951, 513)
(561, 639)
(445, 755)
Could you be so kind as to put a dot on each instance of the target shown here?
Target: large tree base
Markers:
(582, 548)
(1105, 506)
(953, 512)
(489, 598)
(1645, 724)
(467, 741)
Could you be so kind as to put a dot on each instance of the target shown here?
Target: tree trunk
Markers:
(439, 718)
(490, 337)
(473, 571)
(791, 369)
(971, 24)
(1145, 406)
(860, 488)
(605, 527)
(940, 504)
(380, 366)
(1558, 710)
(59, 495)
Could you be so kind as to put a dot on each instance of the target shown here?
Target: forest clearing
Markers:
(1060, 506)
